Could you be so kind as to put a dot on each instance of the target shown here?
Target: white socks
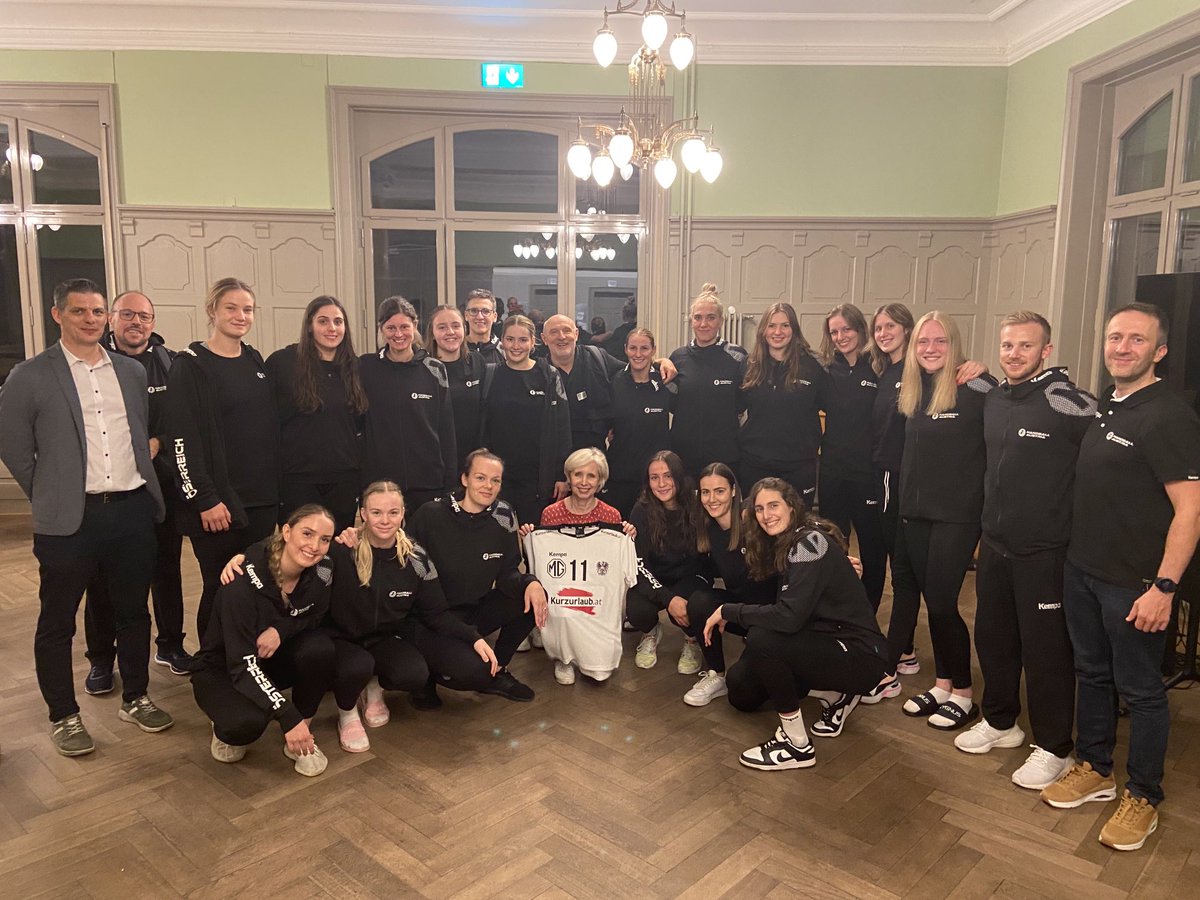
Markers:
(347, 716)
(963, 703)
(793, 727)
(941, 695)
(374, 691)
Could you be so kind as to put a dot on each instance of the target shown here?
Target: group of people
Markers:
(702, 472)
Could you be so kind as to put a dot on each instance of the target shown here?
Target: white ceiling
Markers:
(858, 32)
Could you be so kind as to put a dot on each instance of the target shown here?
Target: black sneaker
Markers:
(778, 754)
(833, 717)
(427, 698)
(506, 686)
(99, 679)
(180, 662)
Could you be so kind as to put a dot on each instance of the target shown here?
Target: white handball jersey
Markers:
(586, 570)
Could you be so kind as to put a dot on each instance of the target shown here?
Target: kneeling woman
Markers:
(390, 621)
(261, 639)
(819, 637)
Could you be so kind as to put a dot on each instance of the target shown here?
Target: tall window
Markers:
(449, 202)
(54, 198)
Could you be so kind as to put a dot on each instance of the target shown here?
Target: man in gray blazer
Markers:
(73, 432)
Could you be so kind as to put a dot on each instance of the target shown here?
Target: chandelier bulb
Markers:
(578, 252)
(683, 50)
(546, 235)
(665, 171)
(603, 168)
(654, 29)
(620, 148)
(604, 45)
(627, 171)
(550, 253)
(579, 159)
(623, 238)
(517, 250)
(712, 165)
(534, 250)
(692, 153)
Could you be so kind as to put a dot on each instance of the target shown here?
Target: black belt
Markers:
(114, 496)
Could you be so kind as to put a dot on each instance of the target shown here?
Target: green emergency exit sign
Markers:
(502, 75)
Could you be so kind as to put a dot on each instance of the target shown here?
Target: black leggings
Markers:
(404, 663)
(845, 503)
(939, 553)
(702, 604)
(802, 476)
(497, 611)
(215, 548)
(783, 668)
(339, 496)
(642, 609)
(305, 663)
(904, 581)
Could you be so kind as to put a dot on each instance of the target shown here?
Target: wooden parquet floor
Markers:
(590, 791)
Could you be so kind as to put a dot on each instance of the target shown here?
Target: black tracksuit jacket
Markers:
(783, 422)
(705, 426)
(641, 423)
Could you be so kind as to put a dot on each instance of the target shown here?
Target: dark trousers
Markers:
(642, 609)
(783, 668)
(166, 590)
(702, 604)
(845, 502)
(1112, 657)
(115, 542)
(621, 495)
(802, 476)
(339, 496)
(496, 611)
(904, 581)
(1020, 624)
(215, 548)
(524, 498)
(403, 662)
(938, 554)
(304, 663)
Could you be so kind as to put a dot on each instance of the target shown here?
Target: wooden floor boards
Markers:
(610, 791)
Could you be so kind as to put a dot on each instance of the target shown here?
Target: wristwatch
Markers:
(1166, 585)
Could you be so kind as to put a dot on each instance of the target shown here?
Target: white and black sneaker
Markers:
(833, 717)
(778, 754)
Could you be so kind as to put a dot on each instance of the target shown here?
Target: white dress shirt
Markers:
(109, 452)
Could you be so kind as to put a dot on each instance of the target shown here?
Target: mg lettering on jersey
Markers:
(556, 568)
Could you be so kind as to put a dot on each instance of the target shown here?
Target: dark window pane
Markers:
(1134, 253)
(62, 173)
(65, 252)
(406, 264)
(1191, 163)
(404, 178)
(506, 171)
(1142, 164)
(8, 159)
(12, 335)
(603, 285)
(490, 259)
(621, 197)
(1187, 257)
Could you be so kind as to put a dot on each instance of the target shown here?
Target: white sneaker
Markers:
(225, 753)
(691, 660)
(884, 691)
(1042, 769)
(310, 764)
(564, 673)
(535, 638)
(982, 737)
(647, 649)
(710, 686)
(908, 665)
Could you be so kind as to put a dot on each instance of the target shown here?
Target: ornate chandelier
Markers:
(641, 138)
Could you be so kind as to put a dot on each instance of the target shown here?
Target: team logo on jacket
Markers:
(581, 396)
(576, 599)
(253, 576)
(395, 594)
(650, 410)
(260, 374)
(950, 415)
(870, 384)
(1117, 439)
(536, 393)
(1030, 433)
(155, 390)
(488, 556)
(419, 396)
(718, 382)
(472, 384)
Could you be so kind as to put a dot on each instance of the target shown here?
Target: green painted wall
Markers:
(56, 65)
(1035, 114)
(853, 141)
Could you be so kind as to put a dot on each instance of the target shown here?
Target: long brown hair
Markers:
(855, 319)
(275, 541)
(685, 496)
(760, 353)
(944, 396)
(767, 556)
(308, 359)
(736, 510)
(900, 314)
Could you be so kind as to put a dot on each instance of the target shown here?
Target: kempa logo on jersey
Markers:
(653, 409)
(1117, 439)
(944, 416)
(1026, 432)
(718, 382)
(576, 599)
(263, 681)
(253, 576)
(488, 556)
(1049, 606)
(418, 396)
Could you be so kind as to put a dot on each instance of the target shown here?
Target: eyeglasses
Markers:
(128, 315)
(480, 311)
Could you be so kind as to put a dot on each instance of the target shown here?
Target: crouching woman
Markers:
(819, 637)
(262, 639)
